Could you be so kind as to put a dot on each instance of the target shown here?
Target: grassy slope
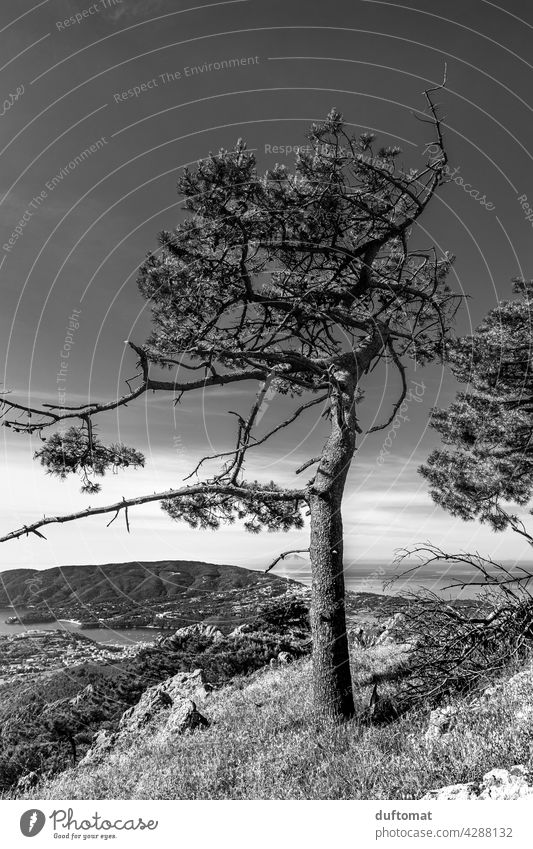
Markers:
(263, 745)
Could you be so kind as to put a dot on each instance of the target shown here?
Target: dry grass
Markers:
(263, 744)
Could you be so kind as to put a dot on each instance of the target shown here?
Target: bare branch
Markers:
(401, 368)
(306, 465)
(284, 555)
(148, 384)
(243, 448)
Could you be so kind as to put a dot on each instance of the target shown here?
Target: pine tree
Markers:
(291, 283)
(487, 464)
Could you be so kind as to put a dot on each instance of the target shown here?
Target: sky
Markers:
(137, 84)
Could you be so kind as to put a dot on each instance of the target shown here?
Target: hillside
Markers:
(163, 594)
(161, 579)
(263, 743)
(208, 710)
(58, 690)
(227, 713)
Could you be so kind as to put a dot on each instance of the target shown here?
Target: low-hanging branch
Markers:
(241, 493)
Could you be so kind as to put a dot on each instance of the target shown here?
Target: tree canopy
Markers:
(287, 279)
(487, 464)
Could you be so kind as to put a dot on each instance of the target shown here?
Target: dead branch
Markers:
(403, 393)
(284, 555)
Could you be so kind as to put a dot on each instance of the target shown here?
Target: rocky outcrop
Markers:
(363, 638)
(240, 631)
(394, 630)
(516, 691)
(102, 745)
(514, 783)
(390, 631)
(282, 659)
(161, 697)
(170, 705)
(90, 705)
(199, 629)
(27, 782)
(440, 722)
(185, 718)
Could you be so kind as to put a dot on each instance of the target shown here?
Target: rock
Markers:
(186, 684)
(514, 783)
(525, 715)
(363, 638)
(103, 742)
(489, 693)
(27, 782)
(88, 693)
(283, 659)
(393, 630)
(440, 722)
(240, 631)
(150, 704)
(455, 791)
(93, 701)
(358, 637)
(162, 696)
(169, 704)
(186, 718)
(200, 629)
(518, 684)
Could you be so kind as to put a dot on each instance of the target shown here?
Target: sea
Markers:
(450, 580)
(371, 577)
(99, 635)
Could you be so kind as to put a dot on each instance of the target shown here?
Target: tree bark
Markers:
(332, 683)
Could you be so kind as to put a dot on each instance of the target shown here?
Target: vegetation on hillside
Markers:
(45, 721)
(264, 744)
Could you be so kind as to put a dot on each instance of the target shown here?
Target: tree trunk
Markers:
(332, 683)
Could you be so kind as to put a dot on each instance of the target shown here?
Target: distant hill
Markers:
(162, 580)
(57, 689)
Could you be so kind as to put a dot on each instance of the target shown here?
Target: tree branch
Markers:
(284, 555)
(244, 447)
(237, 492)
(399, 365)
(148, 384)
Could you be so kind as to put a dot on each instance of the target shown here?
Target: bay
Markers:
(100, 635)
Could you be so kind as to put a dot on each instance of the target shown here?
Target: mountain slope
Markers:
(136, 581)
(49, 717)
(263, 743)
